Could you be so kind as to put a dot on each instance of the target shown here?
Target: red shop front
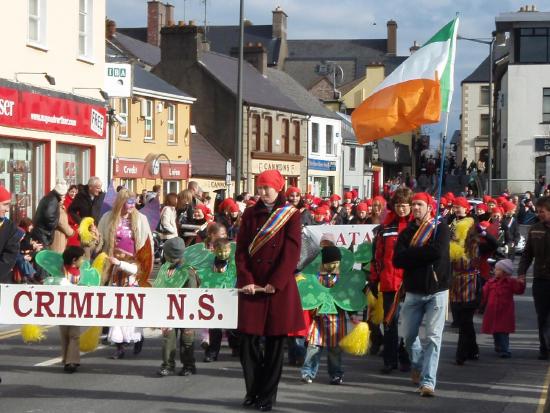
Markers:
(46, 135)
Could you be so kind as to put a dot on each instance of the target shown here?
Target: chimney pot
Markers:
(392, 38)
(181, 23)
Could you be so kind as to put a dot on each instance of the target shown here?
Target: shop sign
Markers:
(542, 144)
(285, 168)
(124, 168)
(174, 171)
(118, 80)
(27, 110)
(322, 165)
(128, 169)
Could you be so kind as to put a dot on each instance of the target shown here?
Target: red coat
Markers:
(275, 263)
(498, 294)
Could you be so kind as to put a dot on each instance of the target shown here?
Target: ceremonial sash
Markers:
(273, 225)
(423, 233)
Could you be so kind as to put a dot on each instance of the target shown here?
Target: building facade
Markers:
(324, 156)
(53, 120)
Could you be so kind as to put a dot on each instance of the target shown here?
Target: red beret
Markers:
(380, 199)
(486, 198)
(484, 225)
(335, 197)
(369, 202)
(309, 196)
(354, 193)
(461, 202)
(5, 195)
(362, 207)
(443, 201)
(482, 207)
(321, 210)
(508, 206)
(423, 196)
(226, 204)
(497, 210)
(271, 178)
(348, 195)
(205, 210)
(501, 200)
(316, 200)
(292, 189)
(450, 196)
(491, 200)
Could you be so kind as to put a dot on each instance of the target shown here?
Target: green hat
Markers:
(174, 248)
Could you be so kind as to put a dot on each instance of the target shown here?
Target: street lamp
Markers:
(489, 167)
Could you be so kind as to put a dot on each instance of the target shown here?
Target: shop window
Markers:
(36, 34)
(123, 113)
(268, 134)
(296, 125)
(85, 28)
(73, 164)
(255, 130)
(546, 105)
(170, 186)
(148, 118)
(328, 140)
(285, 144)
(171, 123)
(315, 137)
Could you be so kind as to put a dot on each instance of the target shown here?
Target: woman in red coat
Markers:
(268, 249)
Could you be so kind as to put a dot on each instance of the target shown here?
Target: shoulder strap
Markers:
(272, 226)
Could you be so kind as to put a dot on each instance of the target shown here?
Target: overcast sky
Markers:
(318, 19)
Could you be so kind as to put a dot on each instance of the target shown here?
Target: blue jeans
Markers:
(313, 357)
(424, 355)
(502, 344)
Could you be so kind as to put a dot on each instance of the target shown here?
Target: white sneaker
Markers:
(307, 379)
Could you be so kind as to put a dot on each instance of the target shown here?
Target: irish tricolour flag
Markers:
(413, 94)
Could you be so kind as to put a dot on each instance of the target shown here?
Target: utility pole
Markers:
(239, 105)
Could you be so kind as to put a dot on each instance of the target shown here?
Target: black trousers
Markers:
(262, 367)
(393, 351)
(467, 345)
(541, 295)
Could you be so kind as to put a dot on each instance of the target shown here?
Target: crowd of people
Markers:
(424, 259)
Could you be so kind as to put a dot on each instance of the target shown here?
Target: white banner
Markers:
(114, 306)
(346, 235)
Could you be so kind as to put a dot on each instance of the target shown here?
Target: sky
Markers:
(352, 19)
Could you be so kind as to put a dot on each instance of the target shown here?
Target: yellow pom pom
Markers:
(356, 343)
(89, 339)
(99, 262)
(375, 308)
(32, 333)
(86, 236)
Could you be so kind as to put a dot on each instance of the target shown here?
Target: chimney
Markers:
(255, 54)
(110, 29)
(414, 47)
(279, 23)
(392, 38)
(156, 12)
(182, 43)
(169, 19)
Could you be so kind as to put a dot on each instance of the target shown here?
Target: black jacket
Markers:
(419, 263)
(9, 248)
(537, 247)
(510, 227)
(84, 206)
(46, 218)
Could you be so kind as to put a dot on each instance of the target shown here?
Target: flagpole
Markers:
(441, 167)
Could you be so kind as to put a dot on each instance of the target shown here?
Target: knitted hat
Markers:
(292, 189)
(330, 254)
(271, 178)
(5, 195)
(328, 236)
(506, 266)
(61, 187)
(173, 248)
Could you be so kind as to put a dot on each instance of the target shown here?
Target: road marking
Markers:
(58, 359)
(544, 393)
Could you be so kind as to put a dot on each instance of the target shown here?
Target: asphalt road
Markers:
(33, 380)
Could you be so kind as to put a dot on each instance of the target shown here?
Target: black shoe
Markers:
(165, 371)
(387, 369)
(188, 371)
(208, 359)
(248, 401)
(264, 407)
(336, 380)
(138, 345)
(69, 368)
(119, 354)
(473, 356)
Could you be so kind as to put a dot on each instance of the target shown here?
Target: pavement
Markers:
(33, 380)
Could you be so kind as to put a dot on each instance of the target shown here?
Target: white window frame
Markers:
(329, 139)
(85, 29)
(41, 23)
(123, 113)
(171, 123)
(148, 120)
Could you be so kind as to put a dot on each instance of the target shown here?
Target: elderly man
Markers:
(87, 203)
(422, 250)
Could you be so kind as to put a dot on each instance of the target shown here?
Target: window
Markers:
(296, 125)
(129, 184)
(85, 26)
(285, 132)
(546, 104)
(255, 132)
(533, 45)
(171, 123)
(484, 125)
(170, 186)
(484, 96)
(352, 159)
(123, 113)
(149, 119)
(267, 142)
(315, 137)
(329, 140)
(36, 34)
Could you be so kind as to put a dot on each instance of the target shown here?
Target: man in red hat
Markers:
(422, 251)
(337, 213)
(510, 227)
(9, 241)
